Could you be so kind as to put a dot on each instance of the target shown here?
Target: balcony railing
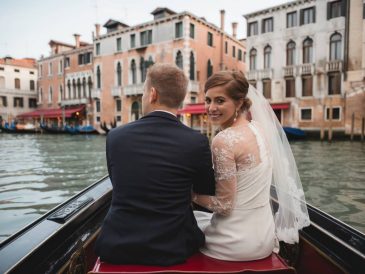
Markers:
(252, 75)
(266, 73)
(75, 101)
(96, 93)
(332, 66)
(193, 86)
(136, 89)
(289, 71)
(306, 69)
(117, 91)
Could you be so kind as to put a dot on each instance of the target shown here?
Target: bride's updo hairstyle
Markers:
(235, 84)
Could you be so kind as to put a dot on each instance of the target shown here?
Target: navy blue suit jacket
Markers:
(153, 164)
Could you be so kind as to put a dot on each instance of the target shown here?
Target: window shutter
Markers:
(314, 14)
(343, 7)
(272, 20)
(301, 17)
(248, 29)
(263, 26)
(328, 10)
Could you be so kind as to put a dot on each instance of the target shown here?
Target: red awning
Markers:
(280, 106)
(193, 109)
(51, 113)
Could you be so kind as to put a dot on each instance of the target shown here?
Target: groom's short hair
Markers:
(169, 81)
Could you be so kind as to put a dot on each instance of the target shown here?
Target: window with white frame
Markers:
(146, 37)
(291, 19)
(290, 53)
(335, 46)
(133, 40)
(308, 16)
(178, 29)
(253, 28)
(210, 39)
(307, 51)
(119, 74)
(268, 25)
(336, 113)
(306, 114)
(97, 48)
(50, 95)
(50, 68)
(192, 31)
(267, 57)
(253, 57)
(119, 44)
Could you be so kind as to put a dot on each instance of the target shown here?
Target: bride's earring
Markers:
(235, 118)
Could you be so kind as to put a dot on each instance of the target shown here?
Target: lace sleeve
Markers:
(225, 176)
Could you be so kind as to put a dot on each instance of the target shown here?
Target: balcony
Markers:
(75, 101)
(334, 66)
(252, 75)
(306, 69)
(266, 73)
(96, 93)
(289, 71)
(194, 86)
(117, 91)
(136, 89)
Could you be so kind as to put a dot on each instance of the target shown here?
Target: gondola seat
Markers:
(200, 263)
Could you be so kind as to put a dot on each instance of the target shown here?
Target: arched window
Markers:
(90, 84)
(98, 79)
(192, 66)
(73, 88)
(69, 89)
(61, 97)
(290, 53)
(50, 95)
(253, 56)
(78, 88)
(179, 60)
(84, 95)
(267, 57)
(209, 69)
(335, 46)
(307, 51)
(119, 74)
(135, 111)
(134, 72)
(143, 68)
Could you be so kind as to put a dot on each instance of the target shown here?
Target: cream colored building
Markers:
(296, 55)
(18, 87)
(123, 54)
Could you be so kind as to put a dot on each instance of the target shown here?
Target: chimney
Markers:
(222, 19)
(97, 30)
(234, 29)
(77, 40)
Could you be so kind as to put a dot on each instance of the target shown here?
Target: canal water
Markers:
(37, 172)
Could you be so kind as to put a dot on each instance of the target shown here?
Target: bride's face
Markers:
(221, 109)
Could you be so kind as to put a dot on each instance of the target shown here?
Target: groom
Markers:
(154, 164)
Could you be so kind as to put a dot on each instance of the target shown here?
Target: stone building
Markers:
(297, 57)
(65, 84)
(18, 87)
(123, 54)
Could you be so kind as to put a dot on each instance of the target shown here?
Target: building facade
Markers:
(65, 84)
(18, 87)
(123, 55)
(296, 55)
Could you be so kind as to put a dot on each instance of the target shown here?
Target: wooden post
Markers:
(322, 124)
(352, 126)
(330, 124)
(362, 128)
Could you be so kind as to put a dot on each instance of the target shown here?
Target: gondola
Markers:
(294, 133)
(62, 241)
(53, 130)
(19, 129)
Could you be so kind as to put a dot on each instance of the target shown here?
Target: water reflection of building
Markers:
(18, 78)
(64, 84)
(123, 54)
(300, 56)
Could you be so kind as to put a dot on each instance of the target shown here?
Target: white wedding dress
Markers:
(242, 226)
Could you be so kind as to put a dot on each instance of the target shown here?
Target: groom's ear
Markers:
(153, 95)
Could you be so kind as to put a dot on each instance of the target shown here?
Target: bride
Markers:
(250, 156)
